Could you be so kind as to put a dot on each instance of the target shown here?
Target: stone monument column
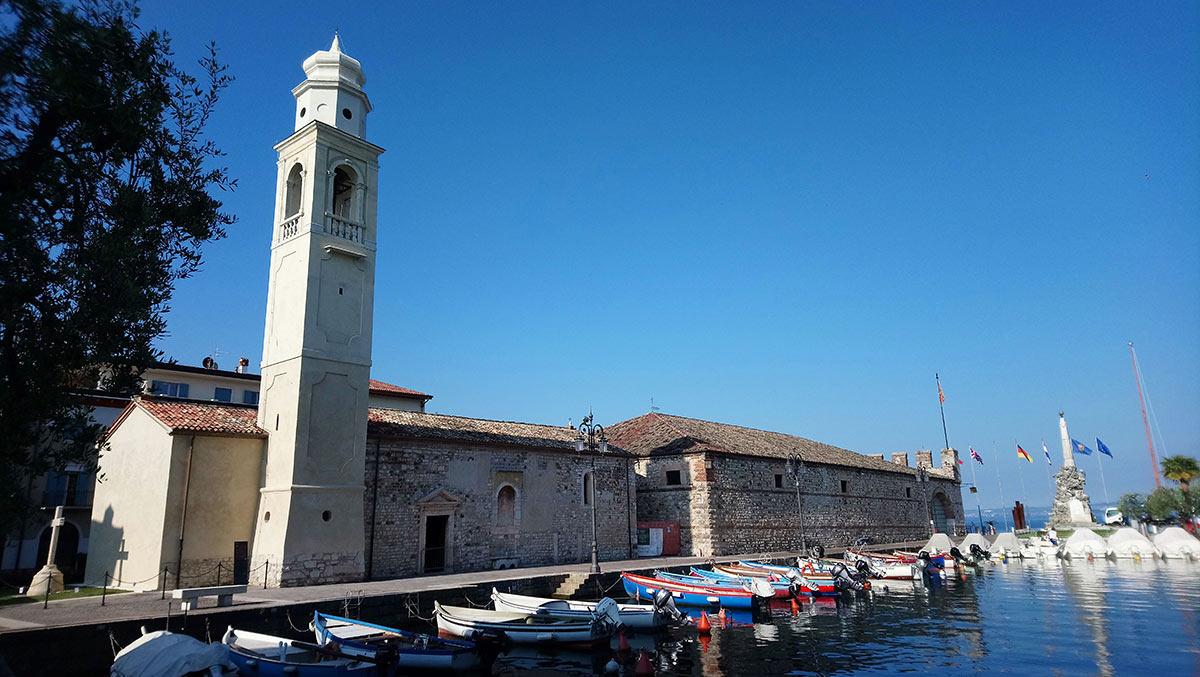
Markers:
(49, 577)
(1072, 507)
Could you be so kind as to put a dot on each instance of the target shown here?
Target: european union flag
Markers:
(1080, 447)
(1102, 448)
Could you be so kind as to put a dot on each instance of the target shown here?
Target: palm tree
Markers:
(1182, 469)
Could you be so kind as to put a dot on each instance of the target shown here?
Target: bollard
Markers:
(218, 573)
(104, 590)
(162, 583)
(266, 570)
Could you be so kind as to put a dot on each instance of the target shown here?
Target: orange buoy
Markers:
(643, 665)
(703, 625)
(795, 606)
(723, 618)
(623, 647)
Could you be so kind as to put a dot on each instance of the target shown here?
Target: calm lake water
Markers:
(1051, 618)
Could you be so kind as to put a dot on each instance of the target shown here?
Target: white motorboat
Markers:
(631, 615)
(527, 628)
(1176, 543)
(1129, 543)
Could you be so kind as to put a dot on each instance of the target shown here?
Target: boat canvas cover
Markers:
(938, 543)
(1085, 542)
(1129, 542)
(1006, 542)
(974, 539)
(1175, 542)
(165, 654)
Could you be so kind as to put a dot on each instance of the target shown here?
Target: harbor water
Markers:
(1047, 617)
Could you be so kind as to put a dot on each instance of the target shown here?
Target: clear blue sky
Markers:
(786, 216)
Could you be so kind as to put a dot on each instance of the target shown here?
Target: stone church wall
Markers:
(547, 523)
(732, 504)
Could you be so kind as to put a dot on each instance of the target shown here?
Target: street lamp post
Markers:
(597, 443)
(795, 468)
(923, 482)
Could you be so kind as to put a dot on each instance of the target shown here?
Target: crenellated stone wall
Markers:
(549, 523)
(734, 503)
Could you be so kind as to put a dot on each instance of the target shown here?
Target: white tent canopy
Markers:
(974, 539)
(165, 654)
(1174, 542)
(1007, 543)
(1129, 542)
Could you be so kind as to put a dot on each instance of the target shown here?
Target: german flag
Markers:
(1021, 452)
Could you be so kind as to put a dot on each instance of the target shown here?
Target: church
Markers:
(333, 477)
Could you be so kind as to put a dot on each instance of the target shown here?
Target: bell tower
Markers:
(317, 344)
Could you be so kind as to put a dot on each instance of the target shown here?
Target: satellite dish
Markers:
(209, 363)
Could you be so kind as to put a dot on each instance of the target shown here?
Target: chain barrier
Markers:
(412, 610)
(288, 614)
(112, 641)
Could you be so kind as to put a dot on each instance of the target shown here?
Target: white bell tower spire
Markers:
(317, 343)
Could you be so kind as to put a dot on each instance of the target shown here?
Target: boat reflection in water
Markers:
(1018, 617)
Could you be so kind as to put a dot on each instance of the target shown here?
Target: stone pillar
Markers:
(900, 458)
(49, 577)
(1072, 507)
(925, 458)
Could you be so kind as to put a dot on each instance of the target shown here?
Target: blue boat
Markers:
(641, 587)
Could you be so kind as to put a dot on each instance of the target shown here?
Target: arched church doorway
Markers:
(943, 514)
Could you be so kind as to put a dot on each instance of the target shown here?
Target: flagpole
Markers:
(1000, 483)
(1049, 479)
(1102, 482)
(975, 481)
(942, 407)
(1021, 474)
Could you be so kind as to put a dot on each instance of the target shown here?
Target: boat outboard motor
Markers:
(865, 570)
(979, 553)
(957, 555)
(664, 605)
(843, 579)
(798, 583)
(817, 552)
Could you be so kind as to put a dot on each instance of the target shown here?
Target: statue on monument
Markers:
(1072, 507)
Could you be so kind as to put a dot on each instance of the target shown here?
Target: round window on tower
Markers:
(326, 515)
(347, 114)
(303, 111)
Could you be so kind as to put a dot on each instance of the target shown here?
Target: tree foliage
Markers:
(1182, 469)
(1162, 502)
(1132, 507)
(106, 191)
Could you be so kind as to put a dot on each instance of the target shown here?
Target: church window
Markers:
(223, 394)
(673, 478)
(303, 111)
(295, 186)
(347, 114)
(267, 516)
(589, 488)
(506, 507)
(343, 192)
(326, 516)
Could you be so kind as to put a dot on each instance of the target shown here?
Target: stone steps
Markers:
(571, 585)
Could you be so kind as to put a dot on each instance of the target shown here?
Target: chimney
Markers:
(925, 458)
(243, 366)
(900, 458)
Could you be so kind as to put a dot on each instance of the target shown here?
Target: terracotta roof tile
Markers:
(392, 423)
(657, 434)
(381, 388)
(214, 418)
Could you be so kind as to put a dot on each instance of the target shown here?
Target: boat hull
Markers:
(360, 638)
(632, 615)
(690, 595)
(546, 630)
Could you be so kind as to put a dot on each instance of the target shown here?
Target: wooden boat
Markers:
(527, 628)
(405, 649)
(267, 656)
(641, 587)
(941, 559)
(632, 615)
(892, 568)
(783, 589)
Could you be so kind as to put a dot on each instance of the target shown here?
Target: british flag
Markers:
(975, 456)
